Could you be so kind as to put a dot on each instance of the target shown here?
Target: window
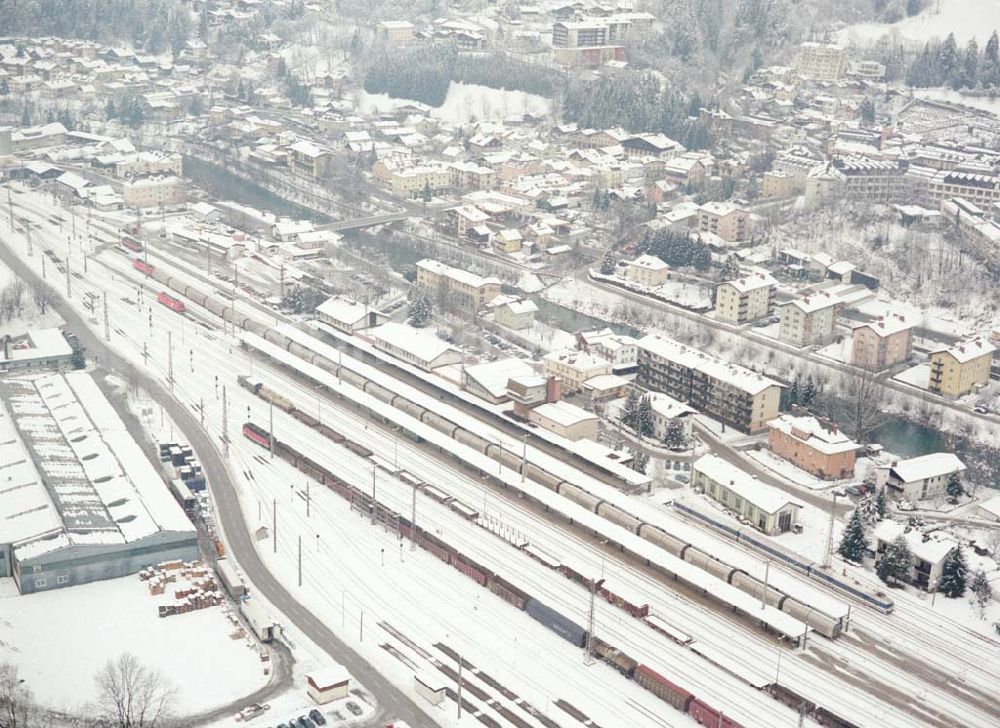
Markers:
(41, 583)
(64, 579)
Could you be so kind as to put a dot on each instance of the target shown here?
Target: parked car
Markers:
(980, 410)
(304, 722)
(353, 707)
(317, 717)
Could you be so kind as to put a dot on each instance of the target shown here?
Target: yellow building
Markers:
(961, 369)
(469, 290)
(745, 299)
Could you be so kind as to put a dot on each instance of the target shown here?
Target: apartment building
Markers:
(517, 314)
(156, 191)
(394, 32)
(146, 163)
(776, 183)
(769, 509)
(574, 367)
(960, 369)
(808, 320)
(731, 394)
(468, 290)
(817, 446)
(923, 477)
(874, 179)
(745, 299)
(308, 160)
(821, 61)
(724, 219)
(882, 343)
(413, 182)
(648, 270)
(587, 43)
(976, 228)
(618, 349)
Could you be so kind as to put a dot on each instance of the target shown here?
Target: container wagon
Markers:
(561, 625)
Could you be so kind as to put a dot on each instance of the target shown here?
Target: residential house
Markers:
(517, 314)
(647, 270)
(882, 343)
(924, 477)
(929, 552)
(815, 445)
(745, 299)
(667, 409)
(156, 191)
(619, 349)
(807, 320)
(821, 61)
(729, 393)
(776, 183)
(769, 509)
(960, 369)
(394, 32)
(308, 160)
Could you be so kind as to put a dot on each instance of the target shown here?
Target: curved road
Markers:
(393, 703)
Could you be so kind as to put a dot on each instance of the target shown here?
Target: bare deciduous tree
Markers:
(15, 699)
(863, 406)
(41, 294)
(130, 695)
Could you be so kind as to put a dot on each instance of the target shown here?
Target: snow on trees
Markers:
(639, 461)
(854, 542)
(629, 414)
(954, 487)
(880, 503)
(982, 592)
(420, 307)
(895, 562)
(608, 263)
(673, 436)
(953, 574)
(644, 417)
(868, 508)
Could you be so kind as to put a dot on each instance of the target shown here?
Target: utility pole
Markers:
(69, 292)
(225, 420)
(270, 440)
(361, 628)
(107, 326)
(459, 701)
(308, 501)
(145, 354)
(201, 406)
(300, 559)
(588, 659)
(373, 495)
(413, 520)
(767, 574)
(10, 208)
(44, 275)
(170, 359)
(274, 524)
(27, 235)
(524, 457)
(828, 557)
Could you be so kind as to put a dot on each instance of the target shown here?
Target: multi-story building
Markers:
(817, 446)
(808, 320)
(976, 228)
(156, 191)
(777, 183)
(394, 32)
(574, 367)
(881, 180)
(821, 61)
(769, 509)
(468, 290)
(144, 163)
(517, 314)
(962, 368)
(745, 299)
(882, 343)
(416, 181)
(731, 394)
(585, 43)
(308, 160)
(648, 270)
(618, 349)
(724, 219)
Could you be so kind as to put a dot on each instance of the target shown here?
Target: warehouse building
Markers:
(81, 502)
(767, 508)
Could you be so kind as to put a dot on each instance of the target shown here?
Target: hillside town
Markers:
(725, 355)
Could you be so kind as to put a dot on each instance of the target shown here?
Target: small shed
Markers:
(328, 683)
(430, 686)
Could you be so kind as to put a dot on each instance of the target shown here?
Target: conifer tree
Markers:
(854, 542)
(953, 574)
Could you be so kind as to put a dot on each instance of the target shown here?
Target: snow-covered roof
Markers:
(343, 310)
(38, 344)
(824, 437)
(329, 676)
(579, 360)
(563, 413)
(649, 262)
(605, 382)
(424, 346)
(752, 281)
(813, 302)
(932, 548)
(493, 376)
(965, 351)
(932, 465)
(763, 496)
(668, 407)
(887, 326)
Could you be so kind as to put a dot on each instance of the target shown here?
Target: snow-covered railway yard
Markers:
(860, 676)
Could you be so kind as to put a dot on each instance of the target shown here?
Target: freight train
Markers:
(552, 619)
(825, 624)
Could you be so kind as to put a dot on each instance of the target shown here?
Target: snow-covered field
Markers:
(964, 18)
(465, 104)
(60, 639)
